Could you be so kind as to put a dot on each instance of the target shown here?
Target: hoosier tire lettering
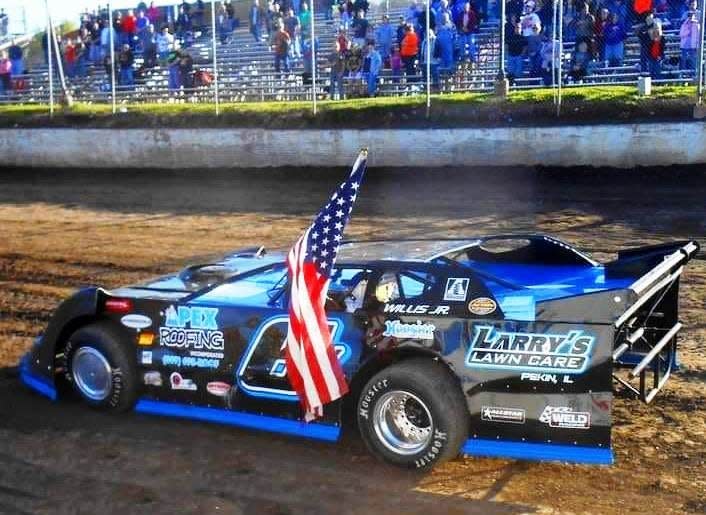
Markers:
(364, 404)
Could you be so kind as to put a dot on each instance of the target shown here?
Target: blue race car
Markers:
(504, 345)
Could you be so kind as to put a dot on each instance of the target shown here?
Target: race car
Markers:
(506, 345)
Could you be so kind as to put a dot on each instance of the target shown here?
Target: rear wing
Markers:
(646, 332)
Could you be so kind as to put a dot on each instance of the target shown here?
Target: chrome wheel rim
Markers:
(402, 422)
(92, 373)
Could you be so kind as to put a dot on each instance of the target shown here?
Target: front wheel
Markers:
(413, 414)
(100, 368)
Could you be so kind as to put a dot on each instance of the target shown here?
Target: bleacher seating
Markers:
(246, 72)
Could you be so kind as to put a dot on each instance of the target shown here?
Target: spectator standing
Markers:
(601, 23)
(445, 37)
(516, 46)
(120, 38)
(346, 17)
(149, 47)
(4, 22)
(584, 25)
(305, 20)
(371, 68)
(165, 44)
(153, 14)
(94, 52)
(409, 50)
(126, 60)
(530, 20)
(432, 56)
(534, 51)
(656, 51)
(129, 27)
(360, 27)
(69, 52)
(281, 44)
(141, 25)
(688, 7)
(614, 39)
(255, 19)
(5, 73)
(342, 41)
(401, 30)
(16, 56)
(466, 26)
(643, 31)
(581, 62)
(105, 38)
(186, 69)
(174, 66)
(183, 24)
(337, 61)
(293, 28)
(384, 36)
(689, 34)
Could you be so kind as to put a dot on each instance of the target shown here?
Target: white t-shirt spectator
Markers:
(528, 22)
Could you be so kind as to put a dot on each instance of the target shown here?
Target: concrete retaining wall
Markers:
(622, 146)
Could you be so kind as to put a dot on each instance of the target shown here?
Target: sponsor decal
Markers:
(456, 289)
(279, 367)
(191, 328)
(533, 352)
(175, 361)
(499, 414)
(153, 378)
(180, 383)
(418, 331)
(134, 321)
(416, 309)
(565, 417)
(218, 388)
(545, 378)
(482, 306)
(146, 358)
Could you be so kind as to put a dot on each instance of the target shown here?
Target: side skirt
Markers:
(235, 418)
(37, 383)
(538, 451)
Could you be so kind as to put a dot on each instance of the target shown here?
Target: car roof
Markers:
(399, 250)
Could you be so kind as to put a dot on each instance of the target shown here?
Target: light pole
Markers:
(111, 32)
(700, 73)
(428, 61)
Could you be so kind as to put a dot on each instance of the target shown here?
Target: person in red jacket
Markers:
(642, 8)
(130, 27)
(409, 50)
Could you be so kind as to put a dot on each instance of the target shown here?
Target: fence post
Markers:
(554, 42)
(313, 55)
(561, 55)
(51, 66)
(215, 59)
(111, 33)
(700, 74)
(428, 59)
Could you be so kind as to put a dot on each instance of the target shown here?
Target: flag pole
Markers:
(215, 59)
(313, 56)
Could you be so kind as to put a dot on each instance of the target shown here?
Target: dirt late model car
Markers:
(495, 346)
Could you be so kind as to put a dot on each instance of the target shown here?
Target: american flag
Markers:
(312, 366)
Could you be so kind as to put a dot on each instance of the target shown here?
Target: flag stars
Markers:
(340, 201)
(339, 214)
(338, 226)
(324, 253)
(325, 241)
(326, 230)
(354, 185)
(314, 235)
(327, 217)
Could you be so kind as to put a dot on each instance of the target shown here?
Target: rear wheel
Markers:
(101, 369)
(413, 414)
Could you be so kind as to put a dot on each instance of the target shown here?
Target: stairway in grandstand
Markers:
(246, 71)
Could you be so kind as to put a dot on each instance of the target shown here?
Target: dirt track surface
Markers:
(62, 230)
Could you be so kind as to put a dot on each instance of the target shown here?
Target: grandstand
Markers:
(246, 71)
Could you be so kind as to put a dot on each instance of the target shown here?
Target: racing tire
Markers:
(413, 414)
(101, 370)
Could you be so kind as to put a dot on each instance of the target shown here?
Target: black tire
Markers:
(432, 384)
(106, 341)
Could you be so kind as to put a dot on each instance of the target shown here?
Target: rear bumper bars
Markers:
(646, 333)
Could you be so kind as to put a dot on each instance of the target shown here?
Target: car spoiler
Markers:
(646, 332)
